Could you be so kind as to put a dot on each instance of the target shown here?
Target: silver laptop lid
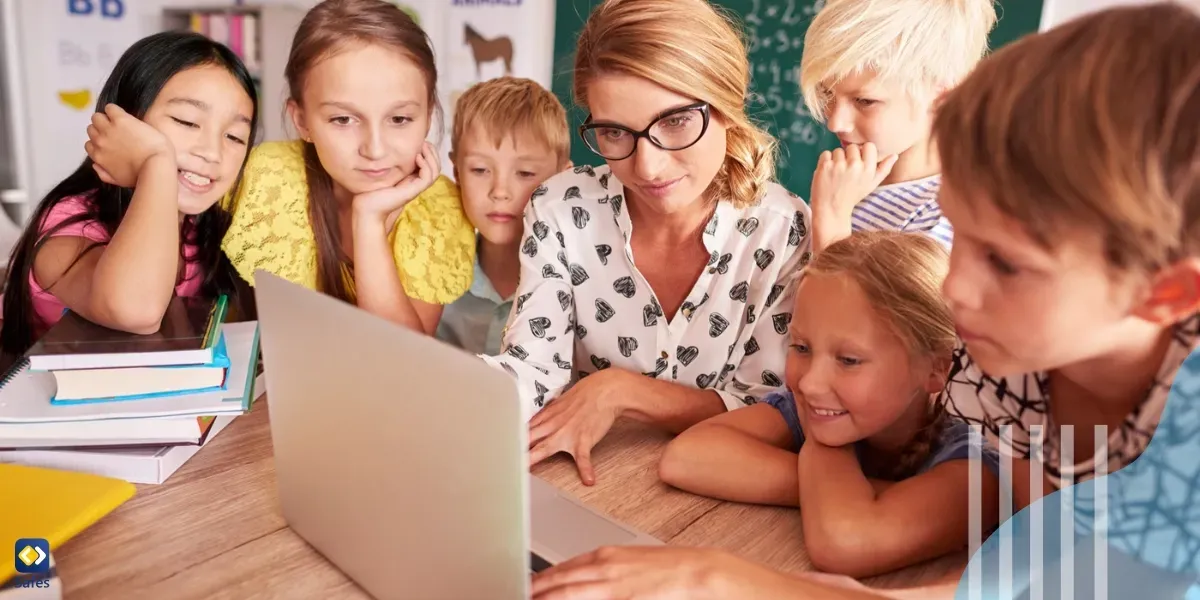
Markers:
(380, 467)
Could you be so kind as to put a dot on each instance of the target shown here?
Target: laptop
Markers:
(404, 460)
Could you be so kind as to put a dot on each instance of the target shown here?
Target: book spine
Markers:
(236, 43)
(218, 28)
(250, 43)
(216, 318)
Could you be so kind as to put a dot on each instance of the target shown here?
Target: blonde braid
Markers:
(749, 167)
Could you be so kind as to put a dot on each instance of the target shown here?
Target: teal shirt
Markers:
(475, 322)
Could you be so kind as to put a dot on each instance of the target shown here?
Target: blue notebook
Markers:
(220, 360)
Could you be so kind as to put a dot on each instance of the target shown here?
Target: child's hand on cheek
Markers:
(842, 179)
(122, 145)
(388, 203)
(845, 176)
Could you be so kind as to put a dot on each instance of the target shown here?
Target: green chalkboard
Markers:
(775, 33)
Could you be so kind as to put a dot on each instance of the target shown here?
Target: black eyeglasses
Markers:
(673, 130)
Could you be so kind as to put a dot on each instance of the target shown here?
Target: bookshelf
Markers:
(262, 36)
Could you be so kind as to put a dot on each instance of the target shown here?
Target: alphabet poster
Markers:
(63, 74)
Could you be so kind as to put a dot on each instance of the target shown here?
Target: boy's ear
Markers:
(1174, 293)
(938, 376)
(296, 114)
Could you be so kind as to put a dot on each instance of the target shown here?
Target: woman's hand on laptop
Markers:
(576, 421)
(676, 573)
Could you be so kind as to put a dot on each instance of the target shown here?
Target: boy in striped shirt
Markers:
(872, 72)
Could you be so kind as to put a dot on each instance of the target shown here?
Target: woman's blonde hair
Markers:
(901, 275)
(690, 48)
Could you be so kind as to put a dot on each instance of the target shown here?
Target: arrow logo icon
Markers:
(33, 555)
(27, 556)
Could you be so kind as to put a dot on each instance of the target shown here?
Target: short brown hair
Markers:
(1096, 123)
(507, 105)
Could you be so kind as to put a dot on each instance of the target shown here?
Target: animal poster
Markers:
(484, 39)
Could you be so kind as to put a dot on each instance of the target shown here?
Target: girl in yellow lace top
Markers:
(357, 208)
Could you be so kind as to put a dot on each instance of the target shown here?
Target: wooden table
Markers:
(214, 530)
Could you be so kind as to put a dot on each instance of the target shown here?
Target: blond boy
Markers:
(872, 72)
(509, 136)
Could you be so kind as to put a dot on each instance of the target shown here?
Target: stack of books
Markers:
(136, 407)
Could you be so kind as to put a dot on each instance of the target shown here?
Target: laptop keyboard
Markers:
(537, 563)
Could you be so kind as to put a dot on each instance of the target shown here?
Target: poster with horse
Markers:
(485, 39)
(484, 50)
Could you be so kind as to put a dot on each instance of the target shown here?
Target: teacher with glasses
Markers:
(658, 286)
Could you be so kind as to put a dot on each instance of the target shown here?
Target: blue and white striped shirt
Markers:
(907, 206)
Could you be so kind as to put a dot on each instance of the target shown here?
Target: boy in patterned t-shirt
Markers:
(1075, 277)
(872, 72)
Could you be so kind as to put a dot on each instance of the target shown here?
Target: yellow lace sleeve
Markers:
(433, 242)
(434, 245)
(270, 228)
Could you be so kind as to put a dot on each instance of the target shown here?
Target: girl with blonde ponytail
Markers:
(658, 285)
(871, 346)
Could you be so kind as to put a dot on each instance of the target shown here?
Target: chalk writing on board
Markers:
(775, 31)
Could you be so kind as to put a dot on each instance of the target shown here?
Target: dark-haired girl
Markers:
(138, 221)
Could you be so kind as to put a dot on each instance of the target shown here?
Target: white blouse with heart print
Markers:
(582, 305)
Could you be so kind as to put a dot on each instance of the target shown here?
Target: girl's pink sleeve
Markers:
(71, 207)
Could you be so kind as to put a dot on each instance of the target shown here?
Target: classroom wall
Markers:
(65, 56)
(62, 57)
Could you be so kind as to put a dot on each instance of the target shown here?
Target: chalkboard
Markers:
(775, 34)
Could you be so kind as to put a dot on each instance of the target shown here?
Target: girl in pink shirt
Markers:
(139, 221)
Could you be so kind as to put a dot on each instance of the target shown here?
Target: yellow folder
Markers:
(51, 504)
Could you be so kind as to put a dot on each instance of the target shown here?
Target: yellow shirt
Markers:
(433, 242)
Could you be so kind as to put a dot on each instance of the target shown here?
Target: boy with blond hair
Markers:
(872, 72)
(510, 134)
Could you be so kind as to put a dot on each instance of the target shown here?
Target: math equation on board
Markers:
(775, 34)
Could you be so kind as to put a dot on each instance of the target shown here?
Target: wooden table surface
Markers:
(214, 530)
